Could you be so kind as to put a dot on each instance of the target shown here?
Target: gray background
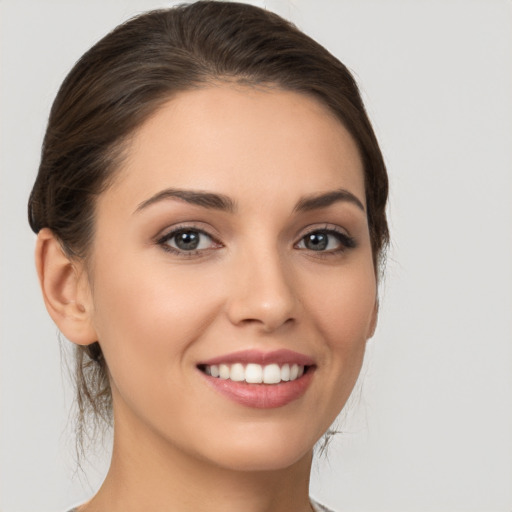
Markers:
(431, 429)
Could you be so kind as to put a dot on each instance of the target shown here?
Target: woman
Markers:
(210, 210)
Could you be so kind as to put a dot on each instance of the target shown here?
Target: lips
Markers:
(260, 379)
(280, 357)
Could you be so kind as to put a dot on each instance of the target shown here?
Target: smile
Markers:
(255, 373)
(261, 380)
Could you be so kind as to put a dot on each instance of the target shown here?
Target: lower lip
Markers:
(262, 396)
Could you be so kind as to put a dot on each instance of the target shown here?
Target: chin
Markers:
(266, 450)
(251, 462)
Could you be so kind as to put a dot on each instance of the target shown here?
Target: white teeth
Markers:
(237, 373)
(253, 373)
(271, 374)
(224, 371)
(256, 373)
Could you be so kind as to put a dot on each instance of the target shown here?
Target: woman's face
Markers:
(234, 241)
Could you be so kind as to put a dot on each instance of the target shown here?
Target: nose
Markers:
(262, 292)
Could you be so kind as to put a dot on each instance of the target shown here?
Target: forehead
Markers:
(235, 139)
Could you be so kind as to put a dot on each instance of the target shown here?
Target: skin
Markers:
(253, 285)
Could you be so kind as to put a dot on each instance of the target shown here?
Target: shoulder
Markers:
(317, 507)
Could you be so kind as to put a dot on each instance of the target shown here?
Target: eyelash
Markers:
(163, 241)
(346, 242)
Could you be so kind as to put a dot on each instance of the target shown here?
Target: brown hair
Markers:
(141, 64)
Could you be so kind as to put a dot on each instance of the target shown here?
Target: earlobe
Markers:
(65, 290)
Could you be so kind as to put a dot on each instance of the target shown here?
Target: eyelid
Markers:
(346, 240)
(334, 228)
(169, 232)
(186, 225)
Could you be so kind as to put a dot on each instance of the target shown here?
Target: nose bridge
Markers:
(262, 290)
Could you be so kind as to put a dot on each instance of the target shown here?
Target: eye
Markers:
(187, 240)
(326, 240)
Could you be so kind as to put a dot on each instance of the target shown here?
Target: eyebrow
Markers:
(199, 198)
(317, 201)
(224, 203)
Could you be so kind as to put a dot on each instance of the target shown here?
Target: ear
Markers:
(374, 318)
(66, 290)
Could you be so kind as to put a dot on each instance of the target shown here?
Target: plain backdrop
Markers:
(431, 429)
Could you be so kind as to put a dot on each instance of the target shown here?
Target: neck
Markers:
(147, 474)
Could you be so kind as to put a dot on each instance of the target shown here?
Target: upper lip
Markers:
(281, 356)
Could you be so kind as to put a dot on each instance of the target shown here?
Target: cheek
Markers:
(343, 310)
(345, 307)
(149, 313)
(341, 307)
(147, 320)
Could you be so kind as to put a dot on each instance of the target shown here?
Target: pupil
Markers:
(187, 240)
(316, 241)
